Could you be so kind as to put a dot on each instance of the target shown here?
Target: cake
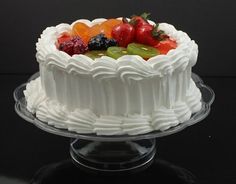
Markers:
(90, 86)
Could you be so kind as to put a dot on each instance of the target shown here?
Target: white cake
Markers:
(114, 97)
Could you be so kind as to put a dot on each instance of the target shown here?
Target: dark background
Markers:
(206, 149)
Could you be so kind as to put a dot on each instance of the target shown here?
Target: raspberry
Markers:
(79, 46)
(73, 46)
(67, 47)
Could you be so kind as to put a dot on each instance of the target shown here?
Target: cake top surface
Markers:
(143, 48)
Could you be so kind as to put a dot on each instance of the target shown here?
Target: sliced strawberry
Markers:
(166, 45)
(63, 38)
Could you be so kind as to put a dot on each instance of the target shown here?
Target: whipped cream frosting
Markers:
(86, 121)
(113, 97)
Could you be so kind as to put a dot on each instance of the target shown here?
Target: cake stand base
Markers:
(98, 156)
(66, 172)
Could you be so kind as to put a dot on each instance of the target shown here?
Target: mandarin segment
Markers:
(98, 29)
(110, 23)
(80, 29)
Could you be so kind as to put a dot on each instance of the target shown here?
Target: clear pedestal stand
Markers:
(113, 154)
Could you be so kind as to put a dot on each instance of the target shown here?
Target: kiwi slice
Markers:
(116, 52)
(96, 54)
(144, 51)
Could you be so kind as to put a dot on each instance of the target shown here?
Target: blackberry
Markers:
(100, 42)
(111, 42)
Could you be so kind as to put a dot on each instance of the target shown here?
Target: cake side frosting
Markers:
(110, 96)
(86, 121)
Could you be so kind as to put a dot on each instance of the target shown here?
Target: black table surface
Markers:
(207, 149)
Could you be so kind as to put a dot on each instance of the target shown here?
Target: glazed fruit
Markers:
(138, 21)
(98, 29)
(166, 45)
(144, 51)
(110, 23)
(63, 37)
(116, 52)
(146, 35)
(67, 46)
(101, 42)
(96, 54)
(124, 33)
(115, 38)
(80, 29)
(73, 46)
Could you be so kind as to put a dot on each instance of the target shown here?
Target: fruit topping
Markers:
(149, 35)
(144, 51)
(166, 45)
(96, 53)
(144, 35)
(80, 29)
(98, 29)
(101, 42)
(116, 52)
(116, 38)
(138, 21)
(68, 47)
(110, 23)
(124, 33)
(63, 37)
(73, 46)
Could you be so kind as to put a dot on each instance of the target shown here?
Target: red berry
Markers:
(79, 46)
(64, 37)
(166, 45)
(67, 47)
(123, 33)
(145, 36)
(138, 21)
(73, 46)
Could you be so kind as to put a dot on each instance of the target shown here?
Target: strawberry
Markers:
(123, 33)
(63, 37)
(138, 21)
(149, 35)
(166, 45)
(144, 35)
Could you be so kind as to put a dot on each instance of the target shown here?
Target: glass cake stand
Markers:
(113, 153)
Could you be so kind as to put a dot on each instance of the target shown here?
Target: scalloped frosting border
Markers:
(105, 67)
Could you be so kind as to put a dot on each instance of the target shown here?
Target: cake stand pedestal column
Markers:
(113, 156)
